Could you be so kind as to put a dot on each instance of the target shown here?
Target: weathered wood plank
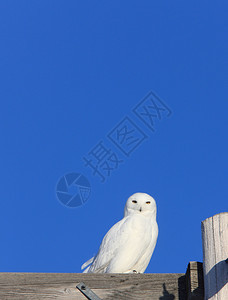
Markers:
(107, 286)
(194, 281)
(215, 252)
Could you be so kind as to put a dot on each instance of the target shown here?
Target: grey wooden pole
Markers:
(215, 254)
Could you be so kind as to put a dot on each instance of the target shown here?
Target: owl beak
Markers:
(140, 209)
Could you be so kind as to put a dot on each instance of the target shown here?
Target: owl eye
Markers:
(148, 202)
(134, 201)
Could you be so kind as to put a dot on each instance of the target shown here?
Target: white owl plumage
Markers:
(129, 244)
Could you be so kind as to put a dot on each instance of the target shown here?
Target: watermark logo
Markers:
(73, 189)
(127, 136)
(151, 109)
(102, 161)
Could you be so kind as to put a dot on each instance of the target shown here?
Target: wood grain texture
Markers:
(194, 281)
(106, 286)
(215, 253)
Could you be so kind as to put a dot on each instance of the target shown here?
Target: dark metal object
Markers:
(87, 291)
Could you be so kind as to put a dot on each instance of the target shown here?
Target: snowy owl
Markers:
(128, 245)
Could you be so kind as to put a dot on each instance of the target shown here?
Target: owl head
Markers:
(140, 203)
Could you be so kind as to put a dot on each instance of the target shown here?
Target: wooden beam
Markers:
(215, 254)
(18, 286)
(106, 286)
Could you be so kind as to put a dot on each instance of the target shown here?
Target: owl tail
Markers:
(88, 262)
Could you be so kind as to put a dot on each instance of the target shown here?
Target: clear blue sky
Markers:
(71, 71)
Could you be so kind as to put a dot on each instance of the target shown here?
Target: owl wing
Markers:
(123, 245)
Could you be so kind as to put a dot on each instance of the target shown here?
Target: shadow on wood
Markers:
(222, 267)
(166, 294)
(182, 290)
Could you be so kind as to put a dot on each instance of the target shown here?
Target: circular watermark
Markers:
(73, 189)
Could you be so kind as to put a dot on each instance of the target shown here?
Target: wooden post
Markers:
(215, 254)
(194, 281)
